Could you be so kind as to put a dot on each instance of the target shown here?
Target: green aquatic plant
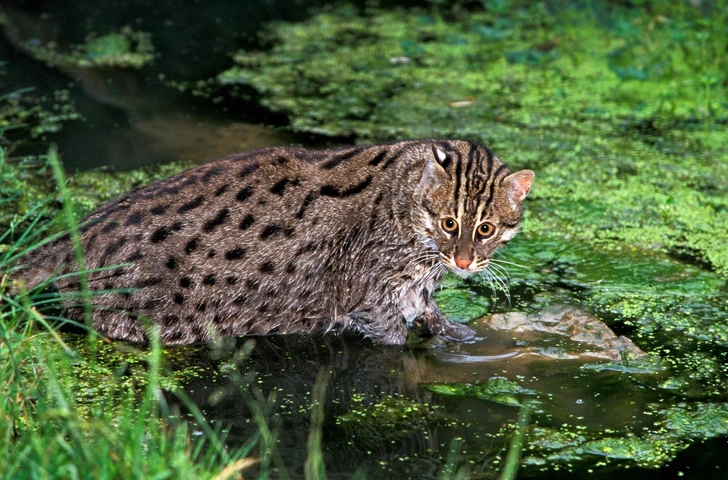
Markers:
(126, 48)
(496, 389)
(26, 114)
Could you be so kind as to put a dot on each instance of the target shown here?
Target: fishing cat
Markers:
(289, 240)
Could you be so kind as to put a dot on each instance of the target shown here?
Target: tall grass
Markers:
(47, 431)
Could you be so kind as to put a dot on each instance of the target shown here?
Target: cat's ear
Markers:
(435, 172)
(441, 158)
(518, 185)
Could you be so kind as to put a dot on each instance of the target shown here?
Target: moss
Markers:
(124, 49)
(388, 419)
(101, 370)
(679, 424)
(496, 389)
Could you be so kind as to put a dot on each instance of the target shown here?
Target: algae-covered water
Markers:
(613, 330)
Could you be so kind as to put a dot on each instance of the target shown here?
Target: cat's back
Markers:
(230, 235)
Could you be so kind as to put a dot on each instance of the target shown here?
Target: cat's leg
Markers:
(383, 327)
(433, 321)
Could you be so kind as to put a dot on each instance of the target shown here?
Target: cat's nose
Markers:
(463, 262)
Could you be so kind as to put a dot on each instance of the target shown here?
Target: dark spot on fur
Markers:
(244, 193)
(338, 158)
(185, 282)
(91, 240)
(239, 300)
(289, 231)
(171, 263)
(201, 307)
(271, 292)
(211, 172)
(149, 282)
(160, 234)
(235, 254)
(378, 159)
(291, 267)
(269, 231)
(110, 226)
(191, 205)
(138, 255)
(209, 279)
(330, 191)
(135, 218)
(263, 308)
(219, 219)
(179, 298)
(159, 209)
(246, 222)
(248, 169)
(267, 267)
(281, 160)
(280, 186)
(231, 280)
(115, 246)
(252, 284)
(192, 245)
(169, 320)
(306, 202)
(150, 304)
(222, 190)
(197, 330)
(177, 226)
(211, 254)
(190, 180)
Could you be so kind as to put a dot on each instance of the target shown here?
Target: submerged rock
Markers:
(592, 337)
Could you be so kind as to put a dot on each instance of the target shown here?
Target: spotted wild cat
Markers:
(288, 240)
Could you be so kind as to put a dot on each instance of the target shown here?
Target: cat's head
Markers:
(468, 204)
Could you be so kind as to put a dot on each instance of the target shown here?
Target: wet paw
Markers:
(457, 331)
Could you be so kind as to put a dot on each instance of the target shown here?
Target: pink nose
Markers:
(463, 262)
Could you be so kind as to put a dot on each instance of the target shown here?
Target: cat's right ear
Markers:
(435, 172)
(441, 158)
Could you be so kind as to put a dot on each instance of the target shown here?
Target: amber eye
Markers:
(485, 230)
(449, 225)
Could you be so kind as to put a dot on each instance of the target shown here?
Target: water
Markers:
(381, 417)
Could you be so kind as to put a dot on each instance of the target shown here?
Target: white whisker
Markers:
(497, 260)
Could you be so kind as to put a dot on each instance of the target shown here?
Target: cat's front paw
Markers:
(434, 323)
(457, 331)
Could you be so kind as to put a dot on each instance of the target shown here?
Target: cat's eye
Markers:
(449, 225)
(485, 230)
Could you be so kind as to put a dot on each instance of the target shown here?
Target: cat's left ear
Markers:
(518, 185)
